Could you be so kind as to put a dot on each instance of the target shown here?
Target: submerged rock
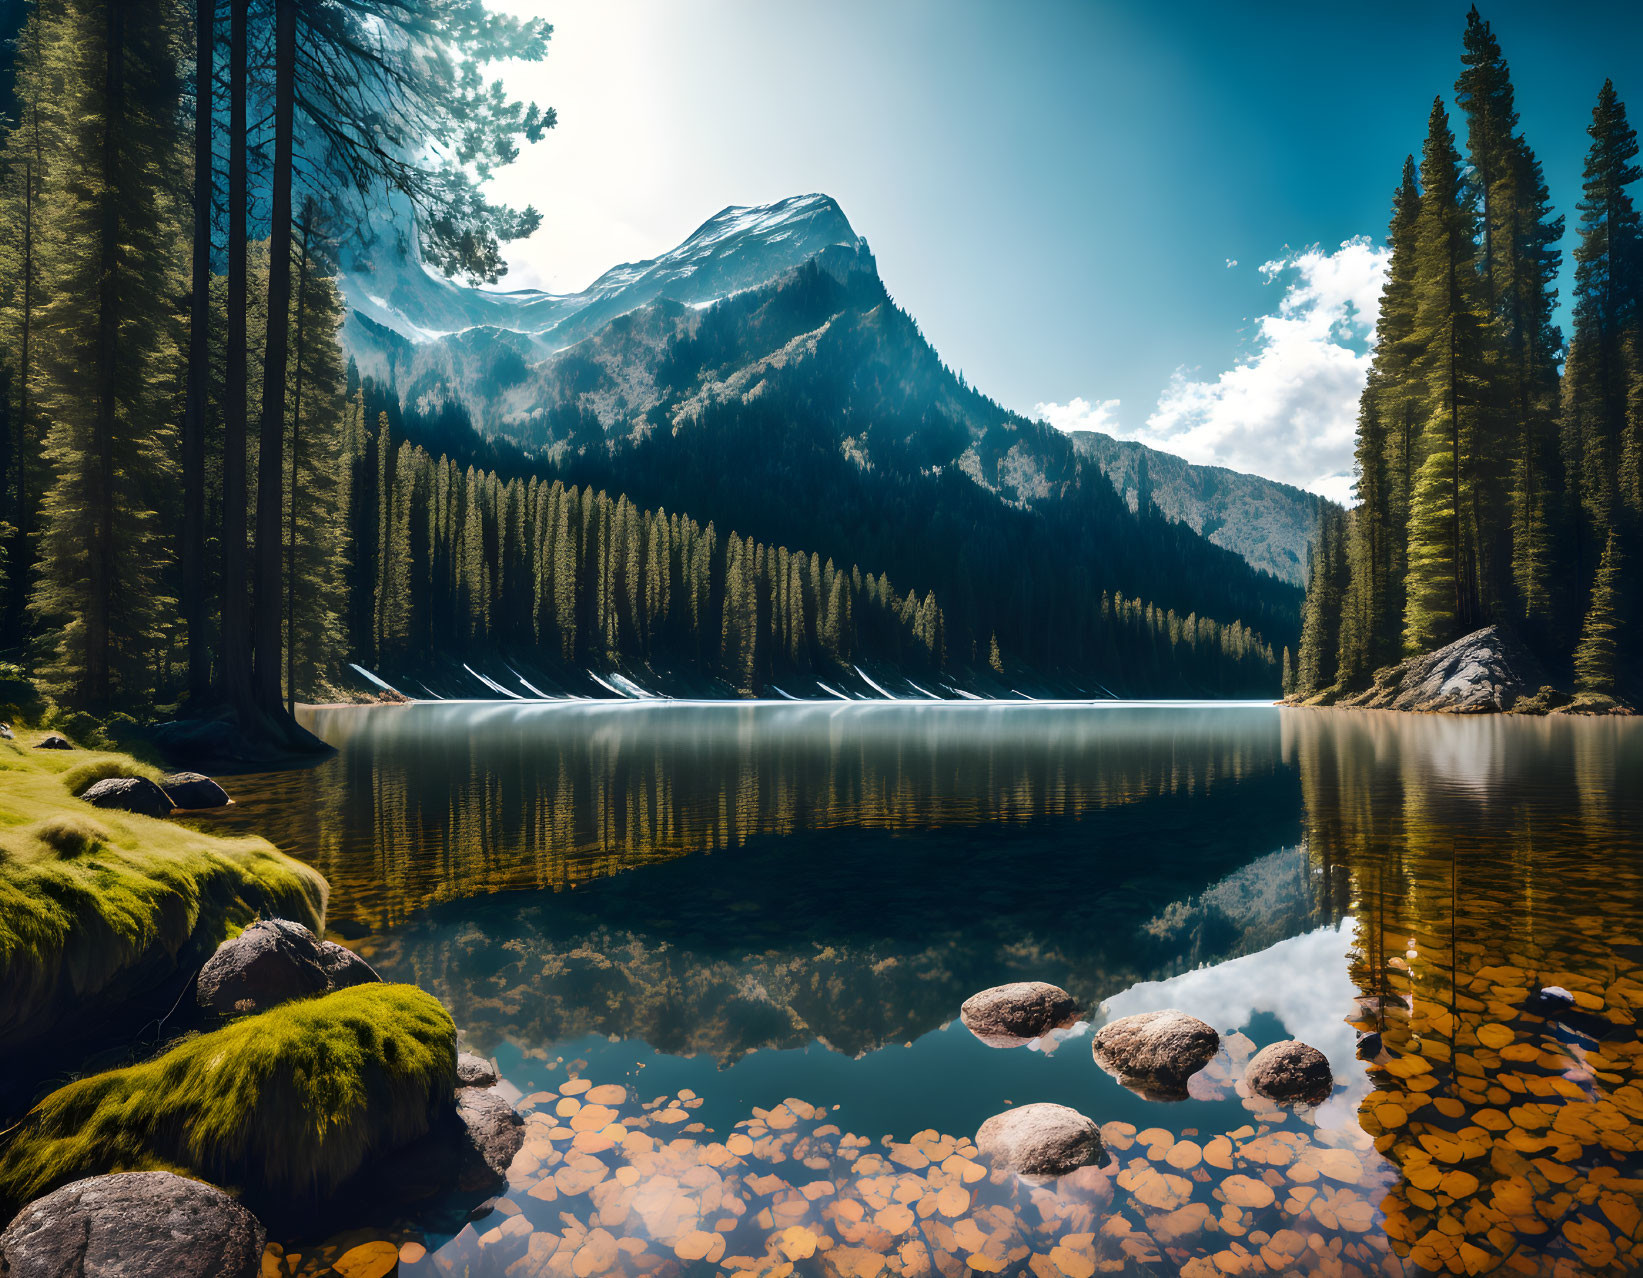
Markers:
(194, 791)
(474, 1071)
(1487, 670)
(1041, 1140)
(52, 742)
(133, 1225)
(1553, 999)
(1290, 1071)
(129, 794)
(1155, 1053)
(1006, 1015)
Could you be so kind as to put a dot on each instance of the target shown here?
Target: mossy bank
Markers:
(283, 1106)
(99, 908)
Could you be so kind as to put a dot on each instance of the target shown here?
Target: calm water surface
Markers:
(718, 954)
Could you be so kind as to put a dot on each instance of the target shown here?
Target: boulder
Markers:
(1291, 1072)
(1041, 1140)
(343, 967)
(474, 1071)
(273, 961)
(194, 791)
(6, 732)
(133, 1225)
(129, 794)
(1486, 671)
(1006, 1015)
(52, 742)
(467, 1152)
(1154, 1053)
(269, 963)
(493, 1134)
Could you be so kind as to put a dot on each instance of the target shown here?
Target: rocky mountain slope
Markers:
(1268, 523)
(761, 376)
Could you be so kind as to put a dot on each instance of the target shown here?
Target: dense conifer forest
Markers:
(206, 507)
(1500, 472)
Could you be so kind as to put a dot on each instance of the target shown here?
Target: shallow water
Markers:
(728, 906)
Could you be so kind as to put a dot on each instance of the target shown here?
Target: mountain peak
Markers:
(740, 247)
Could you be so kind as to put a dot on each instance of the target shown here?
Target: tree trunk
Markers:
(265, 613)
(236, 600)
(192, 550)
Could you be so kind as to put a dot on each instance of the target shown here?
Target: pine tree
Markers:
(26, 254)
(1455, 332)
(1595, 664)
(109, 346)
(1388, 453)
(1430, 618)
(1519, 261)
(1327, 580)
(318, 463)
(1596, 389)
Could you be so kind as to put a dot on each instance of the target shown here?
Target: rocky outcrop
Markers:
(1006, 1015)
(129, 794)
(467, 1151)
(52, 742)
(133, 1225)
(1041, 1140)
(1291, 1072)
(194, 791)
(1154, 1053)
(1484, 672)
(271, 962)
(474, 1071)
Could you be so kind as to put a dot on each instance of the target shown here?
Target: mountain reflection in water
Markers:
(740, 904)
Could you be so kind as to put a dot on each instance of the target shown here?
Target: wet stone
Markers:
(474, 1071)
(1017, 1012)
(1291, 1072)
(1041, 1140)
(1155, 1053)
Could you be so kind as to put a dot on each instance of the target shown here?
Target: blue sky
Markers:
(1055, 190)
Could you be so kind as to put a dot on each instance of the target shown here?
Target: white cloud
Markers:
(1231, 262)
(1080, 414)
(1289, 409)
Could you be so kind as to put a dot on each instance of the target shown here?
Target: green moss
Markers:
(286, 1104)
(70, 835)
(112, 910)
(82, 776)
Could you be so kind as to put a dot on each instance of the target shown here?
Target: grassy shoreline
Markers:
(97, 906)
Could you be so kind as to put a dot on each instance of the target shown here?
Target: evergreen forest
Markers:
(1500, 470)
(207, 509)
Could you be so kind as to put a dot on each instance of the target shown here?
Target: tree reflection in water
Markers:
(864, 877)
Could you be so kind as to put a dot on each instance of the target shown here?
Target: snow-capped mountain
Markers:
(766, 339)
(736, 249)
